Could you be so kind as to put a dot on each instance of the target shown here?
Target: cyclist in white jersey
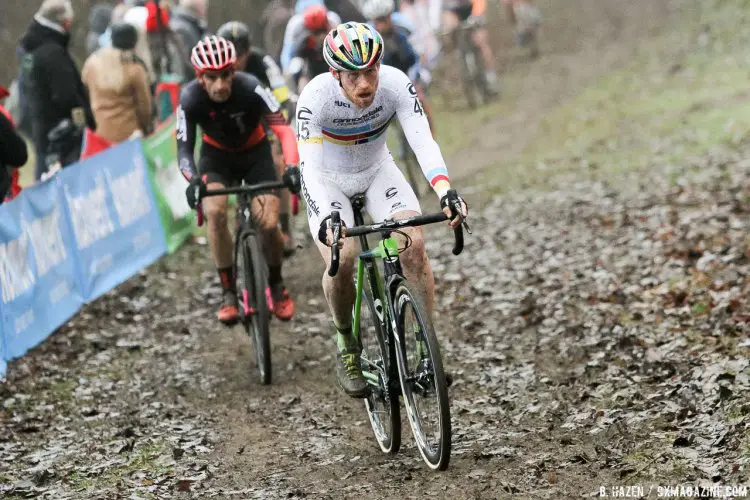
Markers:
(342, 117)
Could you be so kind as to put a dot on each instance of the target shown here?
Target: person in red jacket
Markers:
(13, 153)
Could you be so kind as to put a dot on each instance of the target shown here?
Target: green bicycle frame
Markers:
(387, 249)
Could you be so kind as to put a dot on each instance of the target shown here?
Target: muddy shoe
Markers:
(348, 372)
(229, 312)
(283, 305)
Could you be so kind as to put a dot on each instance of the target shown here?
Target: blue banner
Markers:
(71, 239)
(38, 273)
(113, 217)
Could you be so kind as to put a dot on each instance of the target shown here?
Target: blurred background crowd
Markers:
(109, 71)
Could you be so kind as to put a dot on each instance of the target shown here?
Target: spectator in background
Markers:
(350, 11)
(273, 21)
(52, 82)
(119, 87)
(13, 152)
(189, 22)
(99, 19)
(168, 52)
(137, 18)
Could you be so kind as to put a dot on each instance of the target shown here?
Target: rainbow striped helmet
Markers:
(352, 47)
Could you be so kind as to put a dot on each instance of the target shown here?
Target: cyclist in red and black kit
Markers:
(231, 109)
(253, 60)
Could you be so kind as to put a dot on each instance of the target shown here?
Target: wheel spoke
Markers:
(422, 380)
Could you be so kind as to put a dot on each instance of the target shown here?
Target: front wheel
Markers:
(423, 382)
(255, 304)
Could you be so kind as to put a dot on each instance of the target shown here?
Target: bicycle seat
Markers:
(358, 201)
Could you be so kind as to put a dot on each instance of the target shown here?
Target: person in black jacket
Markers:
(13, 151)
(189, 22)
(51, 79)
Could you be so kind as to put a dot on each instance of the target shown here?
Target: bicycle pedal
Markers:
(230, 322)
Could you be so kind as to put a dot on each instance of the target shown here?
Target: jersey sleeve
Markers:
(185, 134)
(294, 29)
(275, 79)
(310, 146)
(269, 102)
(413, 121)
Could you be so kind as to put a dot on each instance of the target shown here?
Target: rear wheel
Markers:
(467, 66)
(255, 304)
(423, 382)
(382, 402)
(480, 75)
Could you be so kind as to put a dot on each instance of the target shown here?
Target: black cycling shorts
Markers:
(463, 12)
(229, 168)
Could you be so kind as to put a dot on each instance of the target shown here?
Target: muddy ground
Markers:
(598, 333)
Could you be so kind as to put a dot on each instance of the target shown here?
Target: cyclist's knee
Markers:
(216, 213)
(347, 260)
(415, 255)
(269, 222)
(481, 37)
(266, 212)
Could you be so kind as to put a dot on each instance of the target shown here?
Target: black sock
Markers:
(227, 279)
(274, 275)
(284, 223)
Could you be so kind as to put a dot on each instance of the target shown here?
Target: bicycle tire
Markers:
(389, 442)
(430, 372)
(480, 75)
(255, 287)
(467, 76)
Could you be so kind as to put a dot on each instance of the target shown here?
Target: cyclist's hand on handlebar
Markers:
(450, 204)
(195, 191)
(291, 178)
(325, 233)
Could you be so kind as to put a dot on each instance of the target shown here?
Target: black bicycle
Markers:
(471, 64)
(252, 272)
(396, 325)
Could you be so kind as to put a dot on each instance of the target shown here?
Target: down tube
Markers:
(358, 298)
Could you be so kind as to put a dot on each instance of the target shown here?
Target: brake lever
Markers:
(457, 208)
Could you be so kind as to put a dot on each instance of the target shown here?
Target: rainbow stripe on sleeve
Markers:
(438, 178)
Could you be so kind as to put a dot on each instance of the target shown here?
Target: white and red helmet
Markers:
(213, 53)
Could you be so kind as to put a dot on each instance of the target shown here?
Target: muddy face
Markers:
(360, 86)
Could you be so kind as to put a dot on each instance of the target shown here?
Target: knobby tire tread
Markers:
(442, 458)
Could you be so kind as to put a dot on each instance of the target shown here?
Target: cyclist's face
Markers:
(383, 24)
(218, 84)
(360, 86)
(319, 36)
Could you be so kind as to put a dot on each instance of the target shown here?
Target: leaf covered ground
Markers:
(598, 323)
